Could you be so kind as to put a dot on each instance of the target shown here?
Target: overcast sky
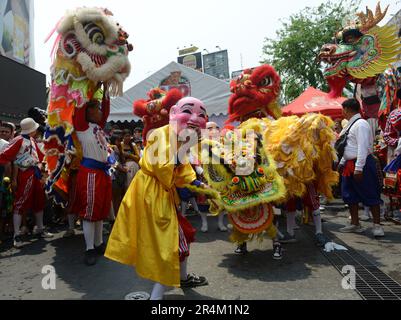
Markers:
(157, 28)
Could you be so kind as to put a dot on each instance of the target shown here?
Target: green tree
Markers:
(294, 51)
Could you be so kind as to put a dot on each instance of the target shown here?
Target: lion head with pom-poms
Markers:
(91, 50)
(155, 111)
(255, 94)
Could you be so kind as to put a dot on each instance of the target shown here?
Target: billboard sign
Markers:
(16, 30)
(193, 60)
(176, 80)
(187, 51)
(216, 64)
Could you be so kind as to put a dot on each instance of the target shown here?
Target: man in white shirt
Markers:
(360, 179)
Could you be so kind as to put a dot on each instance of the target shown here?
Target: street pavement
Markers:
(303, 273)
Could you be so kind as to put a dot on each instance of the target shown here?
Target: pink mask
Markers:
(188, 113)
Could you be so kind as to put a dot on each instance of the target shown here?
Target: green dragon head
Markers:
(361, 51)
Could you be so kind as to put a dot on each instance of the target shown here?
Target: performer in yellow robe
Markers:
(148, 232)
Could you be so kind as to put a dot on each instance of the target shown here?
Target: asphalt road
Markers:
(303, 273)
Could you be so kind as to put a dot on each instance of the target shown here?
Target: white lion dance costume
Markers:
(90, 52)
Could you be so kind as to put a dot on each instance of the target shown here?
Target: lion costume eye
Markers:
(94, 33)
(266, 82)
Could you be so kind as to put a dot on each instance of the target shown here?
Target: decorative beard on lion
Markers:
(246, 178)
(91, 50)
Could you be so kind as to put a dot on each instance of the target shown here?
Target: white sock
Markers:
(317, 219)
(89, 234)
(98, 233)
(183, 270)
(194, 204)
(204, 219)
(17, 219)
(158, 291)
(39, 220)
(221, 220)
(291, 222)
(71, 221)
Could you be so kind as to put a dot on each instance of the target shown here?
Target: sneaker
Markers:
(222, 228)
(42, 234)
(287, 238)
(69, 233)
(241, 249)
(194, 281)
(352, 228)
(277, 251)
(321, 239)
(364, 217)
(378, 230)
(18, 242)
(90, 257)
(100, 250)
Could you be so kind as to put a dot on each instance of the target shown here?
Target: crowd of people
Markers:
(22, 173)
(102, 188)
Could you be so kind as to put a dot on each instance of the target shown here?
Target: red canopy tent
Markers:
(314, 100)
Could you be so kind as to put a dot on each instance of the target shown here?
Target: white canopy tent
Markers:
(213, 92)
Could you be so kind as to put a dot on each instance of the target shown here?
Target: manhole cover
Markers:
(137, 296)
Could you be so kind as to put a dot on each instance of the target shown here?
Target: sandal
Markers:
(194, 281)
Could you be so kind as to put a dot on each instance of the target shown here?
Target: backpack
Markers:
(341, 142)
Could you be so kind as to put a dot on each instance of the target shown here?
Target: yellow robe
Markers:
(145, 234)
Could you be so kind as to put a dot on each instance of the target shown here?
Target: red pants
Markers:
(30, 194)
(93, 194)
(309, 200)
